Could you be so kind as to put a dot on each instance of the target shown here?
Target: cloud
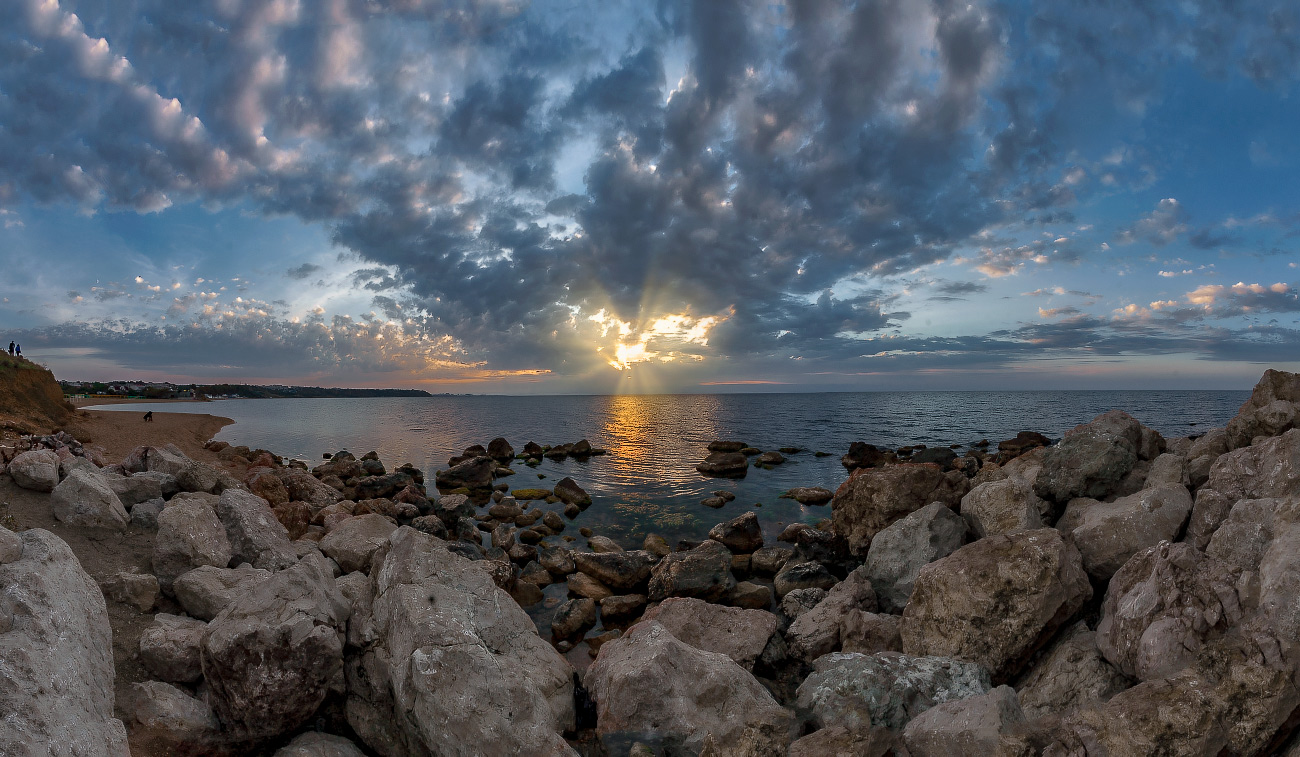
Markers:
(1163, 225)
(303, 271)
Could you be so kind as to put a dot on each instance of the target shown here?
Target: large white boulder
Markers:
(83, 499)
(189, 535)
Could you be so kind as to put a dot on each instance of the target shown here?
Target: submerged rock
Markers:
(724, 465)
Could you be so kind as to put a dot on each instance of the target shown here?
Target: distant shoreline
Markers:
(80, 402)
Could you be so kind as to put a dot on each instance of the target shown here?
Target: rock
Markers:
(295, 517)
(726, 446)
(884, 690)
(751, 596)
(1024, 441)
(966, 726)
(1168, 469)
(1265, 470)
(570, 493)
(500, 450)
(768, 561)
(874, 498)
(205, 591)
(868, 633)
(603, 544)
(557, 560)
(304, 487)
(166, 720)
(265, 484)
(996, 601)
(799, 601)
(802, 575)
(1259, 541)
(385, 486)
(656, 545)
(1109, 533)
(256, 536)
(621, 571)
(1270, 411)
(11, 546)
(651, 684)
(863, 455)
(703, 572)
(198, 477)
(1092, 459)
(83, 499)
(536, 575)
(441, 634)
(529, 494)
(56, 656)
(189, 536)
(313, 744)
(810, 495)
(583, 585)
(841, 742)
(132, 490)
(740, 634)
(139, 590)
(770, 458)
(276, 650)
(354, 541)
(553, 521)
(36, 469)
(898, 553)
(724, 465)
(714, 502)
(1160, 608)
(144, 515)
(573, 618)
(741, 535)
(819, 631)
(474, 473)
(1071, 674)
(1001, 507)
(452, 507)
(170, 648)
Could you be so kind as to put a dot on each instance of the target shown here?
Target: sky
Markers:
(652, 196)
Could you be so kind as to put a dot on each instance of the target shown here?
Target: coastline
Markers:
(120, 432)
(80, 402)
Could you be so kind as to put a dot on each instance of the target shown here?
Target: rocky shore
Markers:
(1110, 593)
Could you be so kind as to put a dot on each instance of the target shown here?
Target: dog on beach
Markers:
(148, 417)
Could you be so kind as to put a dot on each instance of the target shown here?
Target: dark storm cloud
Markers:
(806, 144)
(302, 271)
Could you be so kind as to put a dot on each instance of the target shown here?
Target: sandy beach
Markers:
(120, 432)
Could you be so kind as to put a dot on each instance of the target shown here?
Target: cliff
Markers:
(30, 399)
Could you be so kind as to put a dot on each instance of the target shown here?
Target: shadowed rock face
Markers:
(872, 499)
(996, 601)
(1271, 410)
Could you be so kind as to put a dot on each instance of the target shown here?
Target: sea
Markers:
(647, 482)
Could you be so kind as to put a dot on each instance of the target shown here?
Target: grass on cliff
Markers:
(31, 401)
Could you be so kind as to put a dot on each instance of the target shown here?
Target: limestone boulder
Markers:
(974, 725)
(83, 499)
(354, 542)
(200, 477)
(703, 572)
(140, 590)
(1168, 469)
(623, 571)
(1161, 607)
(166, 720)
(134, 489)
(167, 459)
(869, 632)
(898, 553)
(265, 484)
(821, 630)
(1109, 533)
(810, 495)
(56, 656)
(1001, 507)
(1202, 453)
(740, 634)
(884, 690)
(741, 534)
(996, 601)
(1259, 542)
(1270, 411)
(1071, 674)
(1092, 459)
(36, 469)
(802, 574)
(275, 651)
(1265, 470)
(872, 499)
(573, 618)
(650, 686)
(304, 487)
(799, 601)
(11, 546)
(437, 634)
(256, 536)
(189, 536)
(205, 591)
(170, 648)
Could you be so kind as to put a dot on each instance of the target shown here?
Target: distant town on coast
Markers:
(164, 390)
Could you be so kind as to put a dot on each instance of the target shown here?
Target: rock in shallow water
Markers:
(703, 572)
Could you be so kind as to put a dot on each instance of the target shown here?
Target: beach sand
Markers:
(119, 432)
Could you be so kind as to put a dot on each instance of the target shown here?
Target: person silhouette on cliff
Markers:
(11, 349)
(18, 350)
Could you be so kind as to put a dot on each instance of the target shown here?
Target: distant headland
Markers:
(168, 391)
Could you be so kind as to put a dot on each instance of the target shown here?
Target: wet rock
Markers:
(304, 487)
(1071, 674)
(620, 571)
(553, 521)
(1109, 533)
(770, 458)
(875, 498)
(256, 536)
(724, 465)
(714, 502)
(726, 446)
(573, 618)
(557, 560)
(500, 450)
(1160, 608)
(139, 590)
(295, 517)
(442, 634)
(83, 499)
(1023, 442)
(966, 726)
(570, 493)
(802, 575)
(583, 585)
(884, 690)
(1270, 411)
(56, 656)
(355, 541)
(703, 572)
(656, 545)
(37, 470)
(768, 561)
(898, 553)
(205, 591)
(621, 608)
(1001, 507)
(741, 534)
(863, 455)
(740, 634)
(650, 683)
(385, 486)
(474, 473)
(170, 648)
(996, 601)
(189, 536)
(819, 631)
(809, 495)
(276, 650)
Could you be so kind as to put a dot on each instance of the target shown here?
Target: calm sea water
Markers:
(647, 482)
